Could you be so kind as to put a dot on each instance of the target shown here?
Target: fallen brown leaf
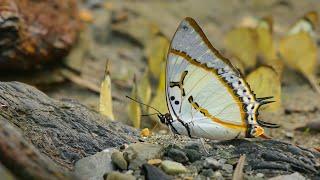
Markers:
(238, 172)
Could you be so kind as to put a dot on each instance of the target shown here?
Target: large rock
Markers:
(29, 39)
(269, 157)
(65, 131)
(5, 174)
(23, 160)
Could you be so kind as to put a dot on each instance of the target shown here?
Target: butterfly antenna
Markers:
(144, 104)
(264, 98)
(266, 102)
(267, 124)
(149, 114)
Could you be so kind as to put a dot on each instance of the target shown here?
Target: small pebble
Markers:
(199, 177)
(124, 146)
(232, 161)
(177, 155)
(193, 155)
(119, 176)
(228, 168)
(293, 176)
(139, 153)
(207, 172)
(118, 159)
(289, 135)
(198, 165)
(260, 175)
(153, 173)
(188, 178)
(193, 146)
(217, 175)
(222, 161)
(154, 161)
(211, 163)
(171, 167)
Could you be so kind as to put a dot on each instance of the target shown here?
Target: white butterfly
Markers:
(206, 96)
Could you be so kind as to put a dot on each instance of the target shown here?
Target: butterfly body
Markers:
(206, 96)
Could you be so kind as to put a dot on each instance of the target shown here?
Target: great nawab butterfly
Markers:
(206, 96)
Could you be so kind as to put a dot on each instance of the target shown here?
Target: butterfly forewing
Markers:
(203, 89)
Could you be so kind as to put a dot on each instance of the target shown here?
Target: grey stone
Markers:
(114, 175)
(193, 146)
(217, 175)
(171, 167)
(177, 155)
(200, 177)
(153, 173)
(232, 161)
(95, 166)
(139, 153)
(207, 172)
(193, 155)
(212, 163)
(118, 159)
(228, 168)
(222, 161)
(198, 165)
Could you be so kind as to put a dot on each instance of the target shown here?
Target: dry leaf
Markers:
(105, 106)
(238, 172)
(242, 43)
(134, 108)
(276, 64)
(305, 24)
(144, 88)
(264, 81)
(234, 61)
(156, 51)
(266, 49)
(299, 51)
(159, 100)
(77, 79)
